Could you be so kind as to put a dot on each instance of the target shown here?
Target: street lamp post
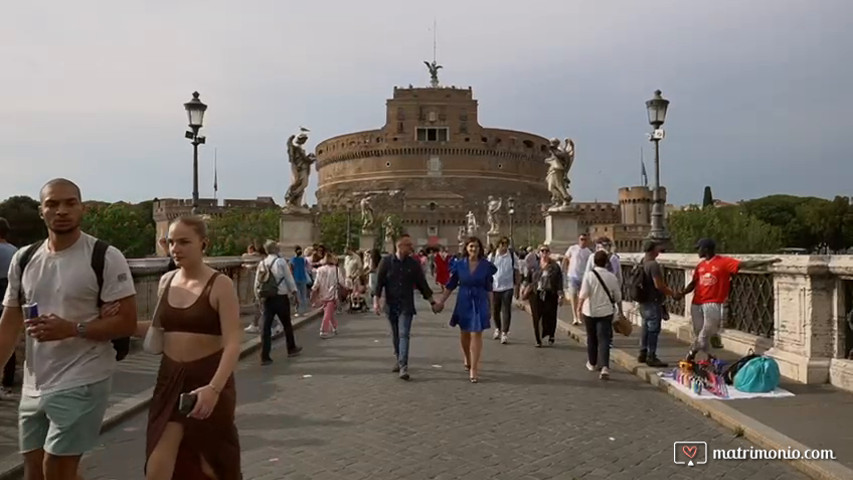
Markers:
(349, 222)
(510, 203)
(195, 112)
(657, 107)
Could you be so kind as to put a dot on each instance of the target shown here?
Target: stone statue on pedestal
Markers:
(559, 163)
(300, 168)
(491, 214)
(472, 224)
(367, 218)
(389, 229)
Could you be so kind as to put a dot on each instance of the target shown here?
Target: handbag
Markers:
(153, 342)
(620, 323)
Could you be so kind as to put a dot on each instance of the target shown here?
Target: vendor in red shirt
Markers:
(712, 281)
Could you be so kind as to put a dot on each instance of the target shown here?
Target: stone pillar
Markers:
(492, 239)
(295, 228)
(804, 323)
(561, 230)
(367, 241)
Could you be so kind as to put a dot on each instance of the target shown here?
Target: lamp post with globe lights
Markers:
(195, 113)
(656, 108)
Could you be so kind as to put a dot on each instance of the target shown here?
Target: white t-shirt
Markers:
(597, 302)
(64, 284)
(504, 278)
(577, 261)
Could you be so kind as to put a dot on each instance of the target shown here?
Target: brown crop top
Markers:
(199, 317)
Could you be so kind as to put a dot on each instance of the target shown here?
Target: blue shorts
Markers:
(64, 423)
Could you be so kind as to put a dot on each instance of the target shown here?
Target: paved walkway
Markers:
(337, 412)
(818, 416)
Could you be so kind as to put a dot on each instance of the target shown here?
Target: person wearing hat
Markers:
(711, 284)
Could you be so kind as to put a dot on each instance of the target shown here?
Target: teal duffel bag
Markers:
(759, 375)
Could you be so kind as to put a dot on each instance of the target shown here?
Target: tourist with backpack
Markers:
(275, 287)
(648, 289)
(69, 357)
(504, 282)
(711, 284)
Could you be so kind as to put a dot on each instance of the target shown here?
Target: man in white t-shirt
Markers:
(69, 358)
(574, 264)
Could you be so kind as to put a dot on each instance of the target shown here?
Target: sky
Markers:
(760, 91)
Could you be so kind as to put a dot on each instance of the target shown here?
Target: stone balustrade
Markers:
(797, 311)
(147, 272)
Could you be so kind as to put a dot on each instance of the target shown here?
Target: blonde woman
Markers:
(199, 313)
(326, 293)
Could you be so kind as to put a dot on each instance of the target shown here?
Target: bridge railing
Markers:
(147, 272)
(798, 311)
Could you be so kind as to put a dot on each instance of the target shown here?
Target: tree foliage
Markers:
(333, 231)
(233, 231)
(731, 227)
(807, 222)
(22, 213)
(127, 227)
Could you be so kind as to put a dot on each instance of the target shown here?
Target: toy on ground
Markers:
(702, 375)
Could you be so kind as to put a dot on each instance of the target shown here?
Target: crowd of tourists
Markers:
(74, 298)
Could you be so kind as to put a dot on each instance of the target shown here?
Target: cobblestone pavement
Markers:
(337, 412)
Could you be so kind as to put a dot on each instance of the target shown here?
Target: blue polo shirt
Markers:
(300, 275)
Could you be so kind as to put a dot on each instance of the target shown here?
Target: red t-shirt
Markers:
(713, 279)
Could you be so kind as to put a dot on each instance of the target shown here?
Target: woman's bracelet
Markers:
(217, 390)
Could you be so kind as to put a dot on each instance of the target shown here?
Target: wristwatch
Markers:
(81, 330)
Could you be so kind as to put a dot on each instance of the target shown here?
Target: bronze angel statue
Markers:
(557, 179)
(433, 72)
(300, 168)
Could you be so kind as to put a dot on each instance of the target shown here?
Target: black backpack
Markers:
(636, 288)
(99, 255)
(730, 371)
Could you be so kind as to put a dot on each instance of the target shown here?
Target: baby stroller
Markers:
(357, 303)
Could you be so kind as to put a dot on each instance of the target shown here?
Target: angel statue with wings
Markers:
(557, 179)
(300, 168)
(491, 214)
(433, 72)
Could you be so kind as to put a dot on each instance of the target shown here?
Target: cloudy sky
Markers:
(93, 90)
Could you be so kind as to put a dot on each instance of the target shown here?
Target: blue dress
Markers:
(472, 312)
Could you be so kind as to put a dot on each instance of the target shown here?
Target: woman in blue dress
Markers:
(473, 275)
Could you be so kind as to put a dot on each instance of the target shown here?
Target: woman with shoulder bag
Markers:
(597, 304)
(545, 293)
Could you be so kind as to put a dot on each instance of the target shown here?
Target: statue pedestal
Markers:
(388, 246)
(295, 228)
(561, 231)
(367, 241)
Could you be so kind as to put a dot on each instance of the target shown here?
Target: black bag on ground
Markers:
(730, 371)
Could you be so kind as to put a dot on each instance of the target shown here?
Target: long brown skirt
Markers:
(214, 438)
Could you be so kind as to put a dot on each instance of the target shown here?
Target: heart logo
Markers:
(689, 451)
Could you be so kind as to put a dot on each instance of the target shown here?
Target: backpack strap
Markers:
(99, 260)
(23, 260)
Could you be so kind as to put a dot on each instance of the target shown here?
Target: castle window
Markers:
(528, 144)
(433, 134)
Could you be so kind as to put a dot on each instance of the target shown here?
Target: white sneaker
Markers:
(504, 338)
(605, 373)
(590, 367)
(252, 329)
(497, 334)
(277, 329)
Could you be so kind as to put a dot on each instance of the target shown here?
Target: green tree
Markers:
(22, 213)
(232, 232)
(732, 229)
(825, 220)
(127, 227)
(781, 211)
(333, 231)
(708, 200)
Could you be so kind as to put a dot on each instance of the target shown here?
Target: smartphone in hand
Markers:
(186, 403)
